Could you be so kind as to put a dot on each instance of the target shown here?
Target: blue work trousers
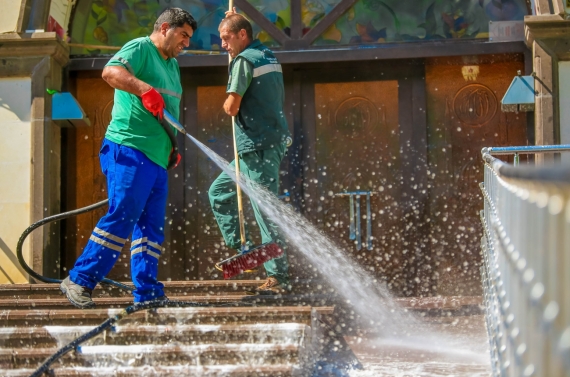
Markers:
(138, 190)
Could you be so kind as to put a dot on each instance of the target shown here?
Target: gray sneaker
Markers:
(79, 296)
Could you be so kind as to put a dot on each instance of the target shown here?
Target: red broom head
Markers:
(250, 260)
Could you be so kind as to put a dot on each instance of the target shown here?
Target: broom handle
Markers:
(236, 158)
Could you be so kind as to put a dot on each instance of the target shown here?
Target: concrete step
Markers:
(163, 316)
(427, 304)
(156, 354)
(48, 296)
(61, 302)
(165, 371)
(58, 336)
(171, 288)
(236, 335)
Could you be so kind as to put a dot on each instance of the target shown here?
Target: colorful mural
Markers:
(101, 26)
(277, 11)
(112, 23)
(312, 11)
(378, 21)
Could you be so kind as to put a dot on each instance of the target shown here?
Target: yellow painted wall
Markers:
(15, 173)
(9, 15)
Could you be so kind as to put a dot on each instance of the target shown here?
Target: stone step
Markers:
(58, 336)
(48, 296)
(171, 288)
(141, 355)
(164, 371)
(61, 302)
(163, 316)
(410, 303)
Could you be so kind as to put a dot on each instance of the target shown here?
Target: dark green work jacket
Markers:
(260, 122)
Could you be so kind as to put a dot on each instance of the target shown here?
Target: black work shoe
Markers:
(79, 296)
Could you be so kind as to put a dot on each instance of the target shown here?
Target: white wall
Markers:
(564, 101)
(15, 173)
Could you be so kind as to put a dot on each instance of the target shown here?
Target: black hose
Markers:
(109, 322)
(48, 220)
(174, 153)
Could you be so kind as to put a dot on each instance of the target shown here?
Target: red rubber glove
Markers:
(173, 160)
(153, 102)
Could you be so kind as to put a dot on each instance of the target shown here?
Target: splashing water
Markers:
(368, 297)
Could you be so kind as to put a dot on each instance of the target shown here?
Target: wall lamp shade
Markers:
(520, 95)
(66, 111)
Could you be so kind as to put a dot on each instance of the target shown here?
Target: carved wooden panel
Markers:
(357, 148)
(464, 115)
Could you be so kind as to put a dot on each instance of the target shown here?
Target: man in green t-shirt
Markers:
(134, 156)
(255, 97)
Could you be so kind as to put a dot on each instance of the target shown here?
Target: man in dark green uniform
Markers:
(255, 97)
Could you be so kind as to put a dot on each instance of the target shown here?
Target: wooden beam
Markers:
(262, 21)
(414, 167)
(558, 7)
(544, 120)
(374, 52)
(553, 27)
(34, 44)
(36, 20)
(24, 16)
(296, 20)
(328, 20)
(544, 7)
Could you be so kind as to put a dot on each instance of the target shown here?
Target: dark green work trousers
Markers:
(261, 167)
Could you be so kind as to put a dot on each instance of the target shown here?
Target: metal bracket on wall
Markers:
(355, 226)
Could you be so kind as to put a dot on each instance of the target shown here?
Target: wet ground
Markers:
(457, 346)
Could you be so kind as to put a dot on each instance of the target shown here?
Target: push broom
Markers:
(247, 259)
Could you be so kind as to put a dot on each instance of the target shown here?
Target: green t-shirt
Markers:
(242, 74)
(132, 125)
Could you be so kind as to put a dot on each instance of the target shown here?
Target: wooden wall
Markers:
(410, 130)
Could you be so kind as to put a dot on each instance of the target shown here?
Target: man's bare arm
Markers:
(231, 106)
(119, 78)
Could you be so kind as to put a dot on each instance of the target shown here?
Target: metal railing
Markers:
(517, 151)
(526, 264)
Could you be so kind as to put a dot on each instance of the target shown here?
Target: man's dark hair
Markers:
(235, 23)
(175, 17)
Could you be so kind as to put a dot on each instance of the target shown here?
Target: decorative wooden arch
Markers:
(297, 41)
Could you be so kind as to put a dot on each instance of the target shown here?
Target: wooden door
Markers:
(464, 115)
(85, 184)
(361, 132)
(409, 131)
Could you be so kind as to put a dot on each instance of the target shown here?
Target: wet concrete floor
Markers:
(455, 346)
